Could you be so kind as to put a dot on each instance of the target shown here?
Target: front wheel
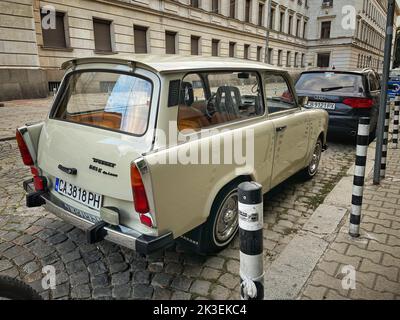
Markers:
(311, 170)
(222, 224)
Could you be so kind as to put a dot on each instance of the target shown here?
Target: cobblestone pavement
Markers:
(33, 238)
(17, 113)
(375, 255)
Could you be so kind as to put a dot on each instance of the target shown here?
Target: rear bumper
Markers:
(343, 124)
(118, 234)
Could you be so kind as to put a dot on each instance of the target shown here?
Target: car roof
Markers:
(356, 71)
(172, 62)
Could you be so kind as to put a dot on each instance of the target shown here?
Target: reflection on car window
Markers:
(107, 100)
(317, 82)
(278, 95)
(208, 99)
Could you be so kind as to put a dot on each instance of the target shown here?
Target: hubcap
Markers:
(227, 218)
(316, 157)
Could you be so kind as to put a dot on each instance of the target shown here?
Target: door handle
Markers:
(72, 171)
(281, 129)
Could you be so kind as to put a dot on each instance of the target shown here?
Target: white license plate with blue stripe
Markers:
(91, 199)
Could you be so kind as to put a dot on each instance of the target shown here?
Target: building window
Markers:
(282, 21)
(194, 45)
(298, 27)
(102, 35)
(303, 60)
(232, 9)
(170, 42)
(325, 29)
(232, 46)
(194, 3)
(214, 47)
(304, 29)
(288, 58)
(290, 25)
(247, 11)
(327, 3)
(295, 59)
(246, 51)
(272, 19)
(323, 60)
(279, 57)
(55, 38)
(259, 50)
(261, 14)
(140, 34)
(269, 58)
(215, 6)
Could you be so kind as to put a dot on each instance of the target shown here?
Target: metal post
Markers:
(359, 176)
(267, 32)
(251, 241)
(385, 78)
(395, 136)
(385, 140)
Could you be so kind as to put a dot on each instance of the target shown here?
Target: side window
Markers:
(372, 82)
(210, 99)
(278, 94)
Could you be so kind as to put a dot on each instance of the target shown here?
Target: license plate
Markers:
(321, 105)
(88, 198)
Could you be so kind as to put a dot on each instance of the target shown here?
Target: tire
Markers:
(13, 289)
(224, 212)
(311, 170)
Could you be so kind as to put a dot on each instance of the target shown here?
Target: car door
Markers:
(291, 126)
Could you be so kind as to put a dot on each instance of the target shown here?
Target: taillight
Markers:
(359, 103)
(40, 183)
(146, 219)
(23, 149)
(139, 193)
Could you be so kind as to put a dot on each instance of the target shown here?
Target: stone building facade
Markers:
(303, 34)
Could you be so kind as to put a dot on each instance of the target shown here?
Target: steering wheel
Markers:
(210, 106)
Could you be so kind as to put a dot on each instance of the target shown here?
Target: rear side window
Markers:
(107, 100)
(278, 94)
(330, 83)
(213, 98)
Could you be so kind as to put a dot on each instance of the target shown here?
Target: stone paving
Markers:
(375, 256)
(19, 112)
(33, 238)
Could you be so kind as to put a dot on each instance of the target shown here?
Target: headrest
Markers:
(186, 95)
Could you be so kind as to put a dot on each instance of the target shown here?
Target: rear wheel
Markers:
(311, 170)
(13, 289)
(222, 224)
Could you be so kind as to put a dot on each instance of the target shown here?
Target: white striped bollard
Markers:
(385, 140)
(251, 241)
(395, 136)
(359, 176)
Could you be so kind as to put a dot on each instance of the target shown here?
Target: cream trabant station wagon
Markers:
(144, 150)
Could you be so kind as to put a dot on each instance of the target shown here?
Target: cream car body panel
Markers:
(180, 195)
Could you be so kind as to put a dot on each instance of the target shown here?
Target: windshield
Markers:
(331, 82)
(107, 100)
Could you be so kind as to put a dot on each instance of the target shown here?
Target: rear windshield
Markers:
(107, 100)
(330, 83)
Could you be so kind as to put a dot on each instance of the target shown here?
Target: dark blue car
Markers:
(345, 95)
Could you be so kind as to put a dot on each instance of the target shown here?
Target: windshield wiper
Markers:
(335, 88)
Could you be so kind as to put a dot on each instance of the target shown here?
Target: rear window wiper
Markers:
(335, 88)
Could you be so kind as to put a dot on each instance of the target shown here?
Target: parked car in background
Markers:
(98, 163)
(346, 95)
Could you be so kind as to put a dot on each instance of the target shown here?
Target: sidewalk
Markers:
(314, 264)
(19, 112)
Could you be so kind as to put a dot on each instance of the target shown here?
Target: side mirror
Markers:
(303, 101)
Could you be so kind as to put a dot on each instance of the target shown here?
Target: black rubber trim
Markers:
(147, 244)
